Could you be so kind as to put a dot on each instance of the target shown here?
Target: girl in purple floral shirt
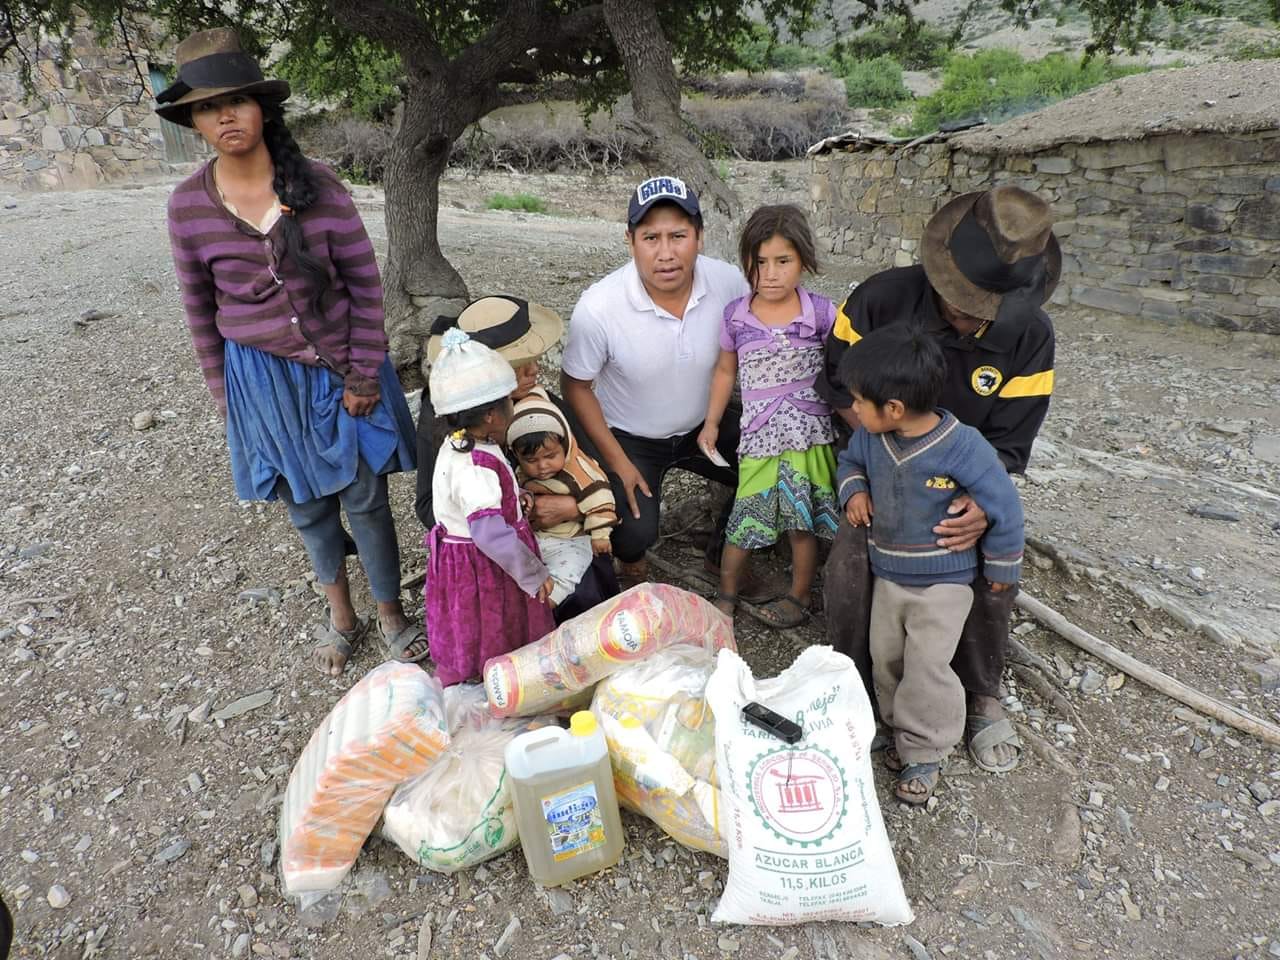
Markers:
(772, 343)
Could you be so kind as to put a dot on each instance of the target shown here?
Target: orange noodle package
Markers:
(662, 742)
(389, 728)
(580, 653)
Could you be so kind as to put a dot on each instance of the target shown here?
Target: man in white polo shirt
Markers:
(648, 337)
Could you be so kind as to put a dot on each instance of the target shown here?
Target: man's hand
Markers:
(601, 548)
(965, 525)
(544, 591)
(359, 405)
(859, 510)
(550, 509)
(707, 437)
(632, 480)
(999, 587)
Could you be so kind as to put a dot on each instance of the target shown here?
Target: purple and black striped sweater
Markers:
(236, 287)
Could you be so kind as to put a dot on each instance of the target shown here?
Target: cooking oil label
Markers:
(573, 821)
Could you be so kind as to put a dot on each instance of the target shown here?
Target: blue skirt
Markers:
(285, 419)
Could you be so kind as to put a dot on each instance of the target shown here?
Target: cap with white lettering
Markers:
(661, 190)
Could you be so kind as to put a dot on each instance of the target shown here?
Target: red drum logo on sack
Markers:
(801, 795)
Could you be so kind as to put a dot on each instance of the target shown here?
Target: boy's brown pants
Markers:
(914, 632)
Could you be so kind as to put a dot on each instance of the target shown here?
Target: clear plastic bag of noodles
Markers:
(624, 630)
(459, 813)
(662, 743)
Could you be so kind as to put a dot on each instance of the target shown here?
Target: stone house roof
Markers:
(1224, 97)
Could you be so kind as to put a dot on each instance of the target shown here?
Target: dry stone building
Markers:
(1165, 187)
(91, 117)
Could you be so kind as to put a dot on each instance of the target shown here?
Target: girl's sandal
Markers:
(341, 642)
(926, 774)
(407, 645)
(727, 598)
(783, 613)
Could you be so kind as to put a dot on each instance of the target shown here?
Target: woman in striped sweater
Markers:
(284, 304)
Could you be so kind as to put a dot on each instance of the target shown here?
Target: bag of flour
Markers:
(802, 822)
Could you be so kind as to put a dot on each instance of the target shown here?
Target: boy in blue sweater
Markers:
(902, 469)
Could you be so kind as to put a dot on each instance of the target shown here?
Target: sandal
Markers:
(400, 643)
(983, 733)
(342, 642)
(775, 613)
(730, 598)
(926, 774)
(892, 762)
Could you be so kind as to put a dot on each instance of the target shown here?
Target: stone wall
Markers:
(91, 118)
(1174, 227)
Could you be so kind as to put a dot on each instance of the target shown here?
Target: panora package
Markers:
(661, 736)
(459, 813)
(389, 728)
(802, 822)
(583, 651)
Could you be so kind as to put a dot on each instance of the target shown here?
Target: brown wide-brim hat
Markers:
(1017, 225)
(518, 330)
(211, 64)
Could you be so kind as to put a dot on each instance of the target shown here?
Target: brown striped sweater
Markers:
(238, 285)
(581, 479)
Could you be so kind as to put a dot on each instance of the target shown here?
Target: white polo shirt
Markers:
(652, 371)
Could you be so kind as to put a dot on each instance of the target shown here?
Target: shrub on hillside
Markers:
(999, 84)
(874, 83)
(761, 51)
(916, 45)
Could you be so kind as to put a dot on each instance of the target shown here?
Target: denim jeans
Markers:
(319, 522)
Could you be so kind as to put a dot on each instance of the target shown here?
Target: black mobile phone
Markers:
(788, 731)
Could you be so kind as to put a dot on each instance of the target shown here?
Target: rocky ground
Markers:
(137, 823)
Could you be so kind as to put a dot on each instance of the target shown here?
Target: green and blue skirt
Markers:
(794, 490)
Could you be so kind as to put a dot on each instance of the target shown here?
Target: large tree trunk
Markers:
(655, 97)
(420, 282)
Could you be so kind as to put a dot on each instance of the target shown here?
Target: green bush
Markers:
(998, 84)
(525, 202)
(762, 51)
(874, 83)
(915, 44)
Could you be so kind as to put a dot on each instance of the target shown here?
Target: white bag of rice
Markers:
(802, 822)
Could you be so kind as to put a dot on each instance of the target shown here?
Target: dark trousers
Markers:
(847, 588)
(653, 458)
(319, 522)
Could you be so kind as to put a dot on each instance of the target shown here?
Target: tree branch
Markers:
(406, 33)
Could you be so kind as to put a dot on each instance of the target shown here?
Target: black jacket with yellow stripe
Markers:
(998, 381)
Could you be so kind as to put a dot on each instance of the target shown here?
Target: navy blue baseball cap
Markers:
(661, 190)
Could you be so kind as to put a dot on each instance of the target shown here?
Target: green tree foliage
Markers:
(367, 82)
(998, 84)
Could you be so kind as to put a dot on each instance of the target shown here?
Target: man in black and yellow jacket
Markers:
(990, 261)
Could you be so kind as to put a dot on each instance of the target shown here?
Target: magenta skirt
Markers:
(474, 611)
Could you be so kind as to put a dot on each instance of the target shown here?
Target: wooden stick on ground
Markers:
(1157, 680)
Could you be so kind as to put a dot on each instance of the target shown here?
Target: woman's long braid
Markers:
(296, 187)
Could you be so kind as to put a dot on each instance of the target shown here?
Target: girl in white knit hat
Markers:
(487, 587)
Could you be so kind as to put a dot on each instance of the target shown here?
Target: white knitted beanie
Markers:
(468, 374)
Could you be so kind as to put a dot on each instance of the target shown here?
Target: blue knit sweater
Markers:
(912, 481)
